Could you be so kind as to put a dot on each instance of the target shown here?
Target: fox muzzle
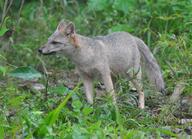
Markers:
(41, 51)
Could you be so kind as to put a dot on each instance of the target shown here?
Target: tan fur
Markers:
(74, 40)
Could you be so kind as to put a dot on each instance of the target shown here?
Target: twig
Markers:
(19, 13)
(177, 91)
(9, 6)
(4, 12)
(46, 77)
(43, 64)
(172, 70)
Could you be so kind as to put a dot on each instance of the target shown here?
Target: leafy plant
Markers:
(3, 70)
(26, 73)
(125, 6)
(98, 5)
(51, 118)
(1, 132)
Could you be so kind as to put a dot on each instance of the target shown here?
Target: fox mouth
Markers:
(46, 53)
(49, 53)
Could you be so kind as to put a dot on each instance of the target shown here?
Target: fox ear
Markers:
(61, 26)
(70, 28)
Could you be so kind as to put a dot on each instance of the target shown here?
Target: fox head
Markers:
(63, 38)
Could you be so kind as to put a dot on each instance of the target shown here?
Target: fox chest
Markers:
(91, 70)
(91, 62)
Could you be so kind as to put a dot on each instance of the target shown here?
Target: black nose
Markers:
(40, 50)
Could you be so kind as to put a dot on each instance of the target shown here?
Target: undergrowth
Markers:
(61, 112)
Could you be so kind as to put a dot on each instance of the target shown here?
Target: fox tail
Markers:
(151, 67)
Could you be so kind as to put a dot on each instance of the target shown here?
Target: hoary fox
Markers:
(118, 53)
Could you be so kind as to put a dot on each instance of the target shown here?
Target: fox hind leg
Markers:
(109, 85)
(137, 82)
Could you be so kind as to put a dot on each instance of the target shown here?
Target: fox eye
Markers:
(67, 34)
(54, 42)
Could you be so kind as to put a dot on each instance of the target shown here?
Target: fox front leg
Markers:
(88, 87)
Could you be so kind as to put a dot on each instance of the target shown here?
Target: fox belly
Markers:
(124, 60)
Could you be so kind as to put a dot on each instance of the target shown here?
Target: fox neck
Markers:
(82, 52)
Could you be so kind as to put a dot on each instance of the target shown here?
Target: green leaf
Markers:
(60, 89)
(98, 5)
(87, 110)
(77, 105)
(26, 73)
(79, 132)
(2, 31)
(51, 118)
(3, 28)
(121, 27)
(3, 70)
(16, 101)
(167, 132)
(124, 5)
(135, 134)
(1, 132)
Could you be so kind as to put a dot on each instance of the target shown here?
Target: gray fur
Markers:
(116, 53)
(151, 67)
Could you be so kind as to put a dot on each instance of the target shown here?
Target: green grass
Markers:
(57, 112)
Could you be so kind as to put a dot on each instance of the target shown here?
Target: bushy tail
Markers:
(150, 65)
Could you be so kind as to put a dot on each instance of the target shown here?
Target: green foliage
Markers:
(3, 70)
(57, 112)
(26, 73)
(121, 27)
(58, 89)
(50, 119)
(1, 133)
(125, 6)
(98, 5)
(3, 27)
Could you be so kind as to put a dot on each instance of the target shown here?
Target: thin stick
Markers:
(9, 6)
(177, 92)
(46, 77)
(4, 12)
(19, 13)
